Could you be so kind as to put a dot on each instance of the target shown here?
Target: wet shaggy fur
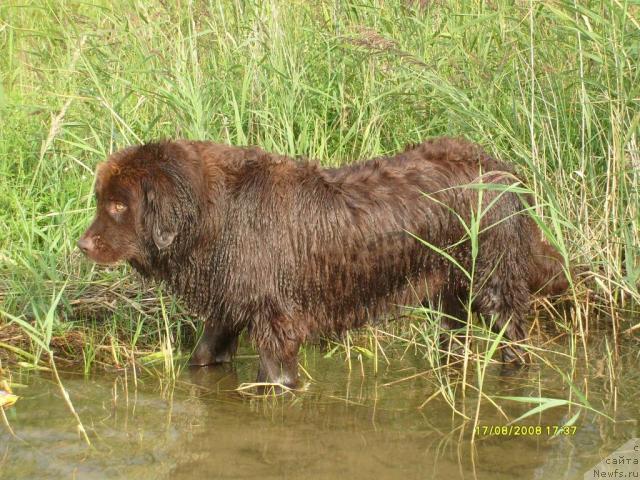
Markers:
(288, 250)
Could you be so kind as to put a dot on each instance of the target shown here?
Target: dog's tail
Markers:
(548, 275)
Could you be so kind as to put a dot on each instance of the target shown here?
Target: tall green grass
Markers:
(553, 87)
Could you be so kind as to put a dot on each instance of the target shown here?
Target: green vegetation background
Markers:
(553, 87)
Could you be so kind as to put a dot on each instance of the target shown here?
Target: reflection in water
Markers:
(344, 426)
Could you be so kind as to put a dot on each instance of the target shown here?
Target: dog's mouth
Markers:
(105, 263)
(101, 260)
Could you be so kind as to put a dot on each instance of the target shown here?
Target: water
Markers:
(345, 425)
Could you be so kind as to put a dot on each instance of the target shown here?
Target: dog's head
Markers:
(147, 196)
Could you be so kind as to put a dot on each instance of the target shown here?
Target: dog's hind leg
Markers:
(453, 317)
(505, 297)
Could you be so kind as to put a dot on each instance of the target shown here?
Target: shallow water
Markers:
(347, 424)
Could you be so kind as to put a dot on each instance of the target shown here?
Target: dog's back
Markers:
(339, 247)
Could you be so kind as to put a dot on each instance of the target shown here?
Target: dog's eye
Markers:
(119, 207)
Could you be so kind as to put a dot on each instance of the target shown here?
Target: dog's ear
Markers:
(169, 188)
(161, 215)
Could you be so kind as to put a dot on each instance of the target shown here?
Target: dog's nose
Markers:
(86, 244)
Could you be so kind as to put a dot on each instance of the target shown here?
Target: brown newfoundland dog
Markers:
(287, 249)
